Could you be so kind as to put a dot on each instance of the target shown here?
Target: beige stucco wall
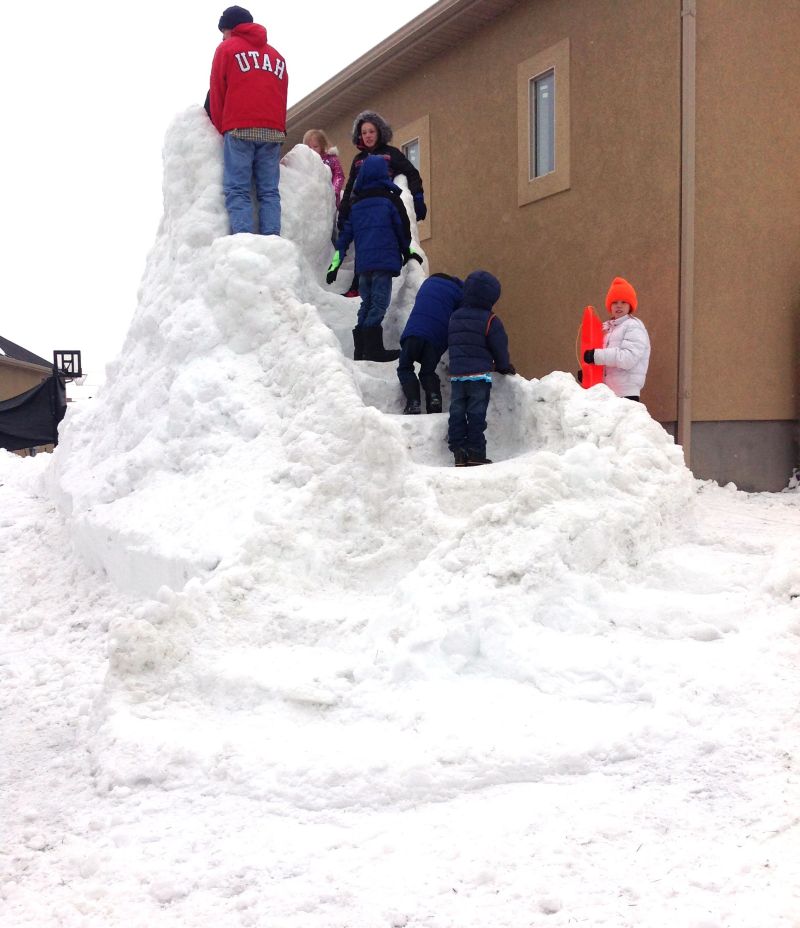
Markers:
(16, 379)
(747, 308)
(621, 213)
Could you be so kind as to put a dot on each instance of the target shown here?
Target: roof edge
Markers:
(6, 361)
(428, 21)
(14, 352)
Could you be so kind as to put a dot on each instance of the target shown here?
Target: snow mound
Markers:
(300, 546)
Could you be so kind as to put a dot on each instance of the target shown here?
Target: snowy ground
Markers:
(270, 660)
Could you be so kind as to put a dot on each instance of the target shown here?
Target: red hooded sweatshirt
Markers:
(248, 82)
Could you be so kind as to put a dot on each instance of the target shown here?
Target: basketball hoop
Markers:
(68, 364)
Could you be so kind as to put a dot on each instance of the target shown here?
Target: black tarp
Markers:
(31, 419)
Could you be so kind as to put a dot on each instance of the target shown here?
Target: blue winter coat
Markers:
(435, 301)
(378, 222)
(477, 340)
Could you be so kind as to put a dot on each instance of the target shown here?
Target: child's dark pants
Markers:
(469, 400)
(417, 350)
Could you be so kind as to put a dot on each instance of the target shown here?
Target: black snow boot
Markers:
(433, 393)
(460, 457)
(411, 390)
(474, 459)
(433, 402)
(373, 345)
(358, 343)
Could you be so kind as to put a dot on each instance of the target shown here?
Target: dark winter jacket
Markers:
(477, 341)
(396, 160)
(378, 222)
(436, 299)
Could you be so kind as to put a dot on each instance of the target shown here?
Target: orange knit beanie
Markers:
(621, 290)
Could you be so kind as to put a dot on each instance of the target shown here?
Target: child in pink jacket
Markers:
(317, 141)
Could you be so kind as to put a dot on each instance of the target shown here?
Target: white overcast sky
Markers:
(89, 90)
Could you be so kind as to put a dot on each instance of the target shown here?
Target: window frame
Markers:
(532, 188)
(420, 131)
(405, 145)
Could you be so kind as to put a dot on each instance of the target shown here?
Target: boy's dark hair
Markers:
(456, 280)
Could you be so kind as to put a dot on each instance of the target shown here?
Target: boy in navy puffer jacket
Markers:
(478, 345)
(424, 341)
(378, 223)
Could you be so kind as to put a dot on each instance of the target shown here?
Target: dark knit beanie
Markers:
(234, 16)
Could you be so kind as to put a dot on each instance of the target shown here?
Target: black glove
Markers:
(507, 370)
(579, 376)
(420, 209)
(411, 255)
(588, 356)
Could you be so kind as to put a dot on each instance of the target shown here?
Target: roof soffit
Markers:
(13, 363)
(440, 27)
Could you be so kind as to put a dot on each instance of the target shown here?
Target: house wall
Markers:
(620, 215)
(16, 379)
(758, 455)
(747, 282)
(621, 212)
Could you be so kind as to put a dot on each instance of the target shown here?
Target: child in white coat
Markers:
(625, 354)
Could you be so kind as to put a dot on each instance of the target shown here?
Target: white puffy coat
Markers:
(625, 355)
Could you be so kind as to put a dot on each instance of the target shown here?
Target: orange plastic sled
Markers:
(590, 335)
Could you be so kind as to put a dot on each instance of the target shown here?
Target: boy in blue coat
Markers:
(378, 223)
(424, 341)
(478, 345)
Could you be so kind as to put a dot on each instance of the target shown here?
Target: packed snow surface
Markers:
(270, 660)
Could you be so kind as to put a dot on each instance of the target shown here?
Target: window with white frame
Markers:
(411, 151)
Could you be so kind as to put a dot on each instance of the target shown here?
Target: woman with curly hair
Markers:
(371, 136)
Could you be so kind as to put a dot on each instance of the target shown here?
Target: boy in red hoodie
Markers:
(247, 104)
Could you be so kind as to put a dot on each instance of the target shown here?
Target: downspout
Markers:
(687, 232)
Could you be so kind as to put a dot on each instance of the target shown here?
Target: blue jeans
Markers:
(469, 400)
(245, 164)
(375, 290)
